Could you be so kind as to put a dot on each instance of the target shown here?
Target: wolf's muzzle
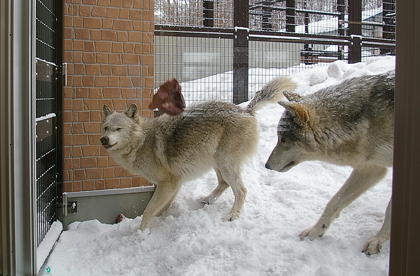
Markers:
(105, 142)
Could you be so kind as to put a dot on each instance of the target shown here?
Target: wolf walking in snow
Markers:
(350, 124)
(170, 150)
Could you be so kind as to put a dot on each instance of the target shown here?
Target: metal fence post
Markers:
(290, 16)
(208, 13)
(388, 14)
(266, 15)
(240, 51)
(355, 31)
(341, 8)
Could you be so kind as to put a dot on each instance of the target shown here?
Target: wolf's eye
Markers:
(283, 140)
(118, 129)
(106, 128)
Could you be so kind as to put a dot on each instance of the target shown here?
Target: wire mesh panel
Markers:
(48, 109)
(197, 62)
(193, 13)
(281, 37)
(302, 16)
(270, 59)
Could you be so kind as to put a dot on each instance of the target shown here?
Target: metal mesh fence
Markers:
(48, 107)
(271, 59)
(204, 66)
(284, 37)
(217, 13)
(305, 16)
(197, 62)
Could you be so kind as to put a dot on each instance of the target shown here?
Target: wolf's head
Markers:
(296, 134)
(117, 128)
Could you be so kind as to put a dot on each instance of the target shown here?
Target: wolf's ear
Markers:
(303, 114)
(291, 96)
(299, 112)
(107, 111)
(132, 111)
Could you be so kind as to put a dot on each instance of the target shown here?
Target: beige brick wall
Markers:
(108, 45)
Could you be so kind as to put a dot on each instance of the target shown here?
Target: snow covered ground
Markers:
(190, 239)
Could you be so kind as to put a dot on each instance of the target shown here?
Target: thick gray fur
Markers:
(170, 150)
(349, 124)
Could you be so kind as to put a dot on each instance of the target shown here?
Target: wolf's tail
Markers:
(272, 92)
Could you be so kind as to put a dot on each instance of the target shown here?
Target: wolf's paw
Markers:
(231, 217)
(207, 200)
(313, 232)
(372, 246)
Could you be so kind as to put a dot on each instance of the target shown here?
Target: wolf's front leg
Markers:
(360, 180)
(374, 245)
(162, 198)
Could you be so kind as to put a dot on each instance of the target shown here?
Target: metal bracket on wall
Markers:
(64, 73)
(64, 204)
(45, 70)
(69, 207)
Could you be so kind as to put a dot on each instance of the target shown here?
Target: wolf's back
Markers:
(272, 92)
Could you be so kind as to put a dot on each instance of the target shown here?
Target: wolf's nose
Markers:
(267, 166)
(104, 140)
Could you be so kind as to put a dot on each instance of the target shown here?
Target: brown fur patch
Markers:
(303, 114)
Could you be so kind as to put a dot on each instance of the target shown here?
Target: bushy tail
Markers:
(272, 92)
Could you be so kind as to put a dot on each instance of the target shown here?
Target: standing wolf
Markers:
(170, 150)
(350, 124)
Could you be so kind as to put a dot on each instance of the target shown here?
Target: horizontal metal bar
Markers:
(298, 38)
(362, 23)
(255, 35)
(377, 44)
(302, 41)
(193, 34)
(161, 30)
(254, 7)
(320, 53)
(318, 12)
(142, 189)
(299, 35)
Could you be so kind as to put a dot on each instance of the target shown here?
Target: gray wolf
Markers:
(350, 124)
(170, 150)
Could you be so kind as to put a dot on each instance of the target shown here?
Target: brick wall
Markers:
(108, 45)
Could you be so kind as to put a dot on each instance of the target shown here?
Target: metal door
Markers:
(49, 82)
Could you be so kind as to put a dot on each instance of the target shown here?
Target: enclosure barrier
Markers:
(264, 39)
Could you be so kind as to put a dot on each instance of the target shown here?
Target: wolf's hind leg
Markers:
(163, 196)
(171, 200)
(217, 192)
(374, 245)
(360, 180)
(233, 177)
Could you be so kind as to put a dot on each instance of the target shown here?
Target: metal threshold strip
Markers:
(142, 189)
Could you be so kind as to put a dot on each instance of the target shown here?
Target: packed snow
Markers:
(191, 239)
